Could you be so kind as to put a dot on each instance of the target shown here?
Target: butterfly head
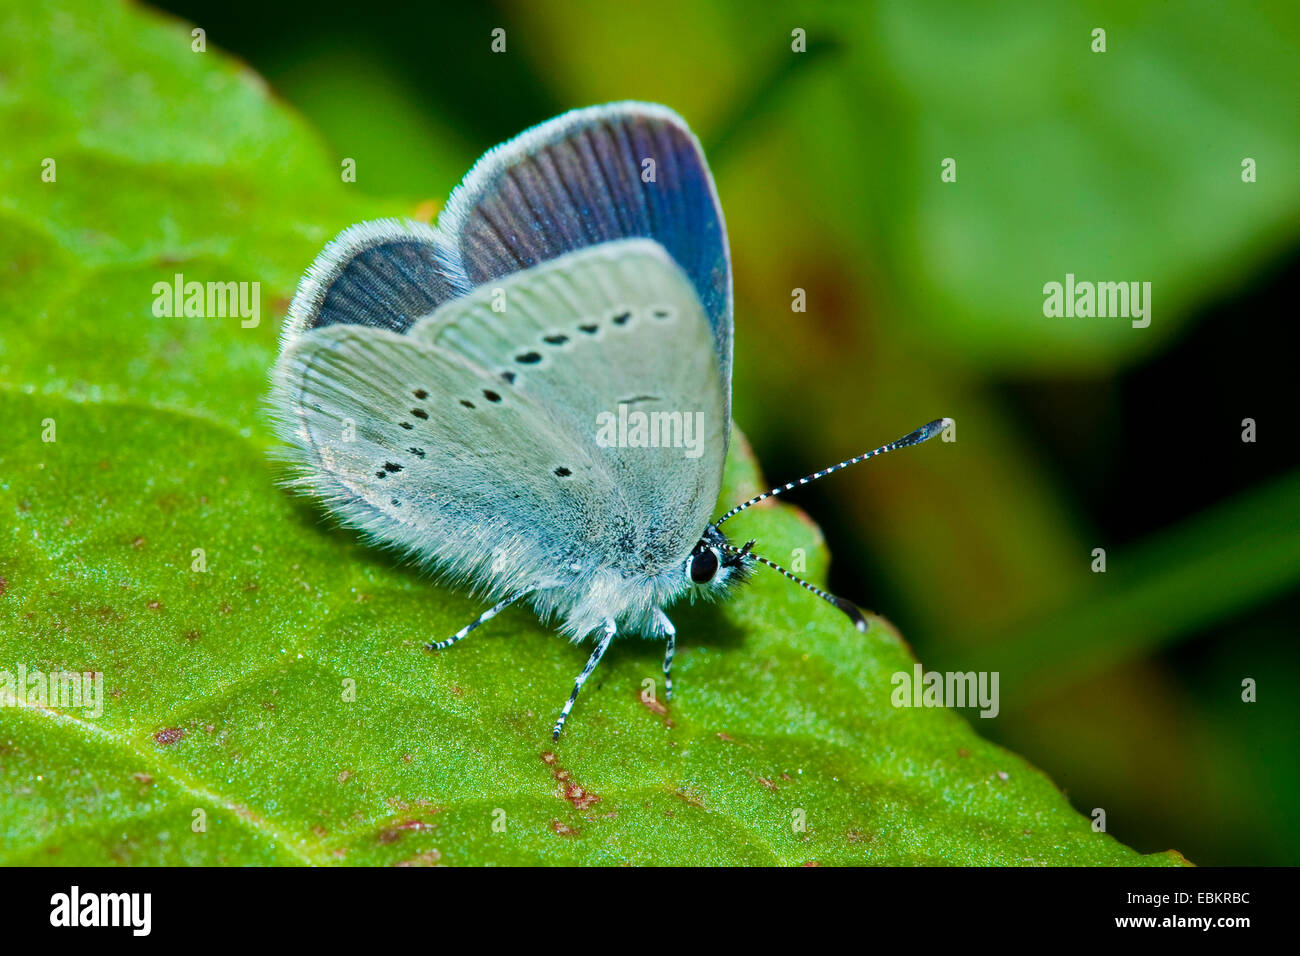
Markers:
(714, 565)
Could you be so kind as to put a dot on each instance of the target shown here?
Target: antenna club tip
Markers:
(946, 423)
(854, 615)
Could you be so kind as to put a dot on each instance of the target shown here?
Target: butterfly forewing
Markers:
(594, 175)
(613, 342)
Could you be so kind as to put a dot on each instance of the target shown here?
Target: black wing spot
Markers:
(555, 339)
(490, 395)
(417, 452)
(392, 466)
(563, 472)
(467, 403)
(661, 313)
(509, 377)
(396, 503)
(589, 329)
(528, 358)
(622, 318)
(421, 394)
(381, 474)
(419, 413)
(407, 425)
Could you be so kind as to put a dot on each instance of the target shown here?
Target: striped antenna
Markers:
(848, 607)
(924, 433)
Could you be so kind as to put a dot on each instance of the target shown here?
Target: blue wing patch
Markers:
(382, 274)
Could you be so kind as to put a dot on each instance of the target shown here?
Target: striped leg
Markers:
(668, 652)
(592, 661)
(482, 619)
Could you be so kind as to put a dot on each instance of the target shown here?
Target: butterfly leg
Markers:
(668, 651)
(482, 619)
(592, 661)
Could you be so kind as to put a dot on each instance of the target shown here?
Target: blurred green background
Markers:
(925, 299)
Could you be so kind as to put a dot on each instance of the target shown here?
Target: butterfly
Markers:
(533, 399)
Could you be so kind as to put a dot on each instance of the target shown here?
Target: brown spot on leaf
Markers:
(691, 798)
(575, 793)
(138, 543)
(563, 829)
(580, 798)
(142, 778)
(344, 776)
(963, 752)
(427, 858)
(653, 704)
(169, 735)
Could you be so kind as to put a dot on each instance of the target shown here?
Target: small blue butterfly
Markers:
(534, 398)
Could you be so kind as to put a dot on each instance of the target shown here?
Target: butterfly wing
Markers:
(382, 274)
(590, 176)
(422, 449)
(613, 341)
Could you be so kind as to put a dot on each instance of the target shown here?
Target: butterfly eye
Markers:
(703, 566)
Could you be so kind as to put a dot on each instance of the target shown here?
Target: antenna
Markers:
(924, 433)
(848, 607)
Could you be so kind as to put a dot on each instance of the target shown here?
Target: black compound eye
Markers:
(704, 566)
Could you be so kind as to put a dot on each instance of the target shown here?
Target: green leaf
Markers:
(144, 537)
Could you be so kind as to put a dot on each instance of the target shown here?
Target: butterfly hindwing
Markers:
(590, 176)
(613, 342)
(381, 274)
